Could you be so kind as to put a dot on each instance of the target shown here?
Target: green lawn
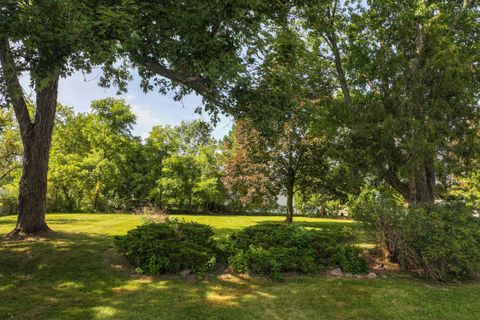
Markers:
(76, 274)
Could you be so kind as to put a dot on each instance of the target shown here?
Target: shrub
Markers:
(381, 214)
(169, 247)
(350, 259)
(273, 249)
(440, 242)
(437, 242)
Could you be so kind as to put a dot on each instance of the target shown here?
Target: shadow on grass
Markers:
(79, 276)
(327, 226)
(8, 220)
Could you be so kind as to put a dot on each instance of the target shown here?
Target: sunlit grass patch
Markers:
(75, 273)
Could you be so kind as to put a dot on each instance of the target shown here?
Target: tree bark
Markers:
(332, 39)
(290, 194)
(36, 140)
(33, 183)
(422, 187)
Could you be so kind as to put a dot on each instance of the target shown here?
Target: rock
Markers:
(185, 272)
(358, 276)
(335, 272)
(348, 275)
(372, 275)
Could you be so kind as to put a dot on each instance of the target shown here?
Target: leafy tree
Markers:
(287, 86)
(407, 75)
(192, 46)
(178, 180)
(466, 187)
(209, 191)
(96, 163)
(10, 146)
(247, 169)
(45, 40)
(186, 172)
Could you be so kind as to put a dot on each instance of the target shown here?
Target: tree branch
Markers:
(13, 87)
(6, 173)
(397, 184)
(465, 5)
(332, 37)
(197, 83)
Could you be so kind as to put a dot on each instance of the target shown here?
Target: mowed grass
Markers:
(75, 273)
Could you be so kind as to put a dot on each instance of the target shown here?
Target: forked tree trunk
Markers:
(36, 140)
(422, 186)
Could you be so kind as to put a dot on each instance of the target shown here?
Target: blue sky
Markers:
(150, 108)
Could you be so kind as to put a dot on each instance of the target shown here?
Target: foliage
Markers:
(10, 147)
(98, 165)
(193, 46)
(407, 112)
(184, 167)
(467, 188)
(438, 242)
(349, 261)
(273, 249)
(95, 161)
(247, 169)
(169, 247)
(380, 211)
(441, 242)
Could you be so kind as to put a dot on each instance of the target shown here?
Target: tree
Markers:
(192, 46)
(46, 40)
(288, 86)
(96, 163)
(247, 169)
(10, 145)
(178, 180)
(184, 167)
(407, 75)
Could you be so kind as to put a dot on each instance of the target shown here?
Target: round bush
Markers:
(169, 247)
(272, 249)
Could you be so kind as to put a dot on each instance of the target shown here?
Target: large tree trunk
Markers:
(422, 186)
(36, 143)
(290, 194)
(36, 138)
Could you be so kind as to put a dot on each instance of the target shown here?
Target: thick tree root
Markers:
(20, 233)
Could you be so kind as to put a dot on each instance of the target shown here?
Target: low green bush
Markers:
(437, 242)
(170, 247)
(350, 259)
(273, 249)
